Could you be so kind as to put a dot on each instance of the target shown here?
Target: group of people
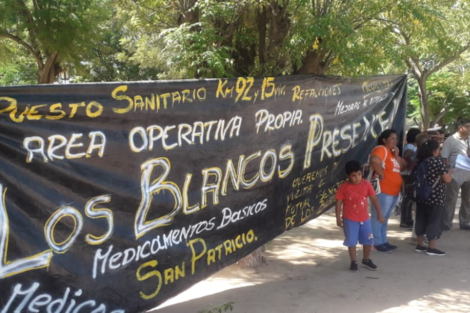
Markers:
(433, 215)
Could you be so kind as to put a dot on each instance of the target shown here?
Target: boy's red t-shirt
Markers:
(355, 205)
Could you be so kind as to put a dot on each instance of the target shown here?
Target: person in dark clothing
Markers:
(409, 155)
(429, 213)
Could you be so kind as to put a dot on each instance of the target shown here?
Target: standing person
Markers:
(352, 198)
(409, 155)
(420, 139)
(387, 164)
(429, 213)
(436, 135)
(458, 143)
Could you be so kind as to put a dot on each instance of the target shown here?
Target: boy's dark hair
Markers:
(411, 135)
(352, 166)
(461, 122)
(384, 135)
(427, 148)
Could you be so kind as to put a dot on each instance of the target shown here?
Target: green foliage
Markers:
(109, 61)
(45, 28)
(256, 38)
(122, 40)
(219, 308)
(428, 36)
(448, 100)
(20, 72)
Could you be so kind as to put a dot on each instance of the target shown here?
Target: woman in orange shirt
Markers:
(387, 164)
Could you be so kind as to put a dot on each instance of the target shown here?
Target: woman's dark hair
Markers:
(426, 150)
(352, 166)
(411, 135)
(384, 135)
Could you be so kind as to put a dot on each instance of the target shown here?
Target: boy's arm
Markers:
(339, 221)
(376, 203)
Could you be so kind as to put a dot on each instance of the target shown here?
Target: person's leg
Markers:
(434, 228)
(409, 211)
(351, 235)
(420, 240)
(464, 212)
(420, 226)
(413, 210)
(389, 202)
(375, 224)
(433, 225)
(352, 253)
(365, 237)
(366, 240)
(366, 252)
(452, 191)
(406, 219)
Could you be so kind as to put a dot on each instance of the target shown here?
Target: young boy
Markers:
(352, 197)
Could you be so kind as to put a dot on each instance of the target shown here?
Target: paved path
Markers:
(307, 271)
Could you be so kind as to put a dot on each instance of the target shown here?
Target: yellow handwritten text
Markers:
(155, 102)
(199, 248)
(54, 111)
(170, 275)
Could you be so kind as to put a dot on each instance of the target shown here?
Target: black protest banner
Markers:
(117, 196)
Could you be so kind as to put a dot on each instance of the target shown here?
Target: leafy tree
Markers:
(109, 61)
(53, 32)
(216, 38)
(448, 93)
(21, 72)
(448, 97)
(428, 35)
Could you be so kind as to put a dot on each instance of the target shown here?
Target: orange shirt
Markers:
(391, 183)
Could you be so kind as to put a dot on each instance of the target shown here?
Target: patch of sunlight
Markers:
(328, 243)
(399, 234)
(301, 253)
(209, 287)
(446, 300)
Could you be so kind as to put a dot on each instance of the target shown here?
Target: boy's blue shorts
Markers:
(354, 231)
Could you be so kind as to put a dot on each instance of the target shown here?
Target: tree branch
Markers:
(412, 67)
(448, 61)
(21, 42)
(24, 11)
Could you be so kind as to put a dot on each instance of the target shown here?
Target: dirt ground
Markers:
(307, 270)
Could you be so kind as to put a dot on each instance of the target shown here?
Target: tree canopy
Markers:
(428, 36)
(173, 39)
(54, 33)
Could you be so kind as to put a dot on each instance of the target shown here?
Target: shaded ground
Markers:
(307, 271)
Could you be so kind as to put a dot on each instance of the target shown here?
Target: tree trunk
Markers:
(279, 26)
(189, 14)
(314, 63)
(423, 101)
(262, 22)
(279, 23)
(48, 72)
(253, 259)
